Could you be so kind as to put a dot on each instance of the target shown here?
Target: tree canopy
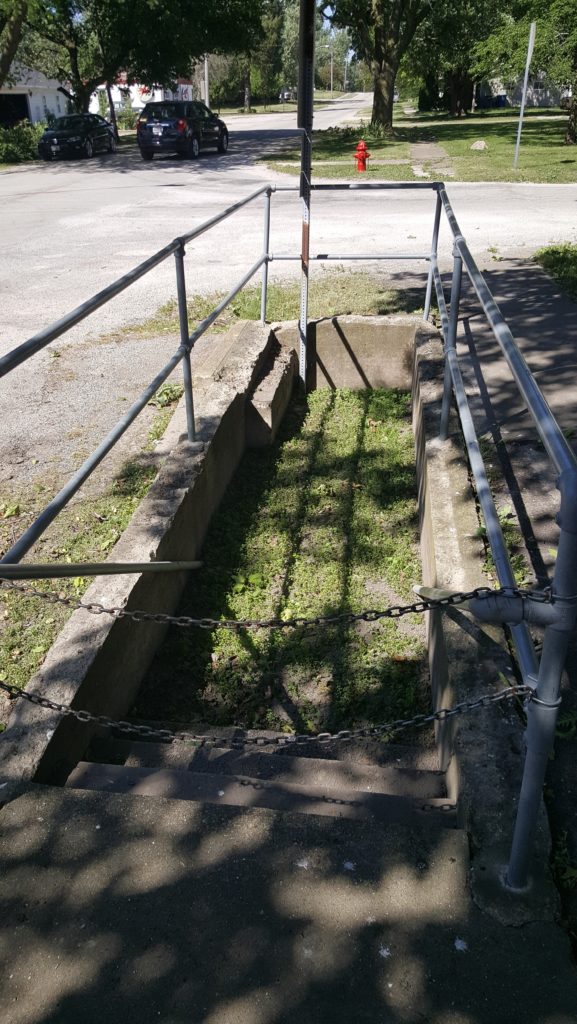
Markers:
(503, 53)
(91, 42)
(381, 33)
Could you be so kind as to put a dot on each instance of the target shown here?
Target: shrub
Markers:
(20, 142)
(126, 117)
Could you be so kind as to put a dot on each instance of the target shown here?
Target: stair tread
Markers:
(391, 779)
(246, 791)
(358, 751)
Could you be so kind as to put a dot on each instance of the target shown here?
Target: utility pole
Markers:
(525, 83)
(206, 96)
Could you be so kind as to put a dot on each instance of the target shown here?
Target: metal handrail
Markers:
(545, 678)
(29, 348)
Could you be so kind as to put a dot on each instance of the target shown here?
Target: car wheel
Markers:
(111, 144)
(193, 147)
(88, 149)
(47, 157)
(222, 144)
(146, 154)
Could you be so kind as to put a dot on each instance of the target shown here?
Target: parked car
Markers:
(77, 135)
(175, 126)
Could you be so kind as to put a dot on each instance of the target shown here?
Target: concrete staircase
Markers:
(368, 781)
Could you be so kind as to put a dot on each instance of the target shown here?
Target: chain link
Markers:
(297, 622)
(290, 739)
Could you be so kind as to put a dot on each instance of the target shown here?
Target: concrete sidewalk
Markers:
(544, 324)
(120, 908)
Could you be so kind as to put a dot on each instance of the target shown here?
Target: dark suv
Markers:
(175, 126)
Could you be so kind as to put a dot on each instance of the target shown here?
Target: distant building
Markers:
(540, 93)
(135, 97)
(31, 96)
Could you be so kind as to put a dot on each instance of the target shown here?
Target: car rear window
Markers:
(163, 112)
(65, 123)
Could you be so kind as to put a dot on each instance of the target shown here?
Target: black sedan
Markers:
(77, 135)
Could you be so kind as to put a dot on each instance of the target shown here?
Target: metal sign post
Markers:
(305, 122)
(525, 83)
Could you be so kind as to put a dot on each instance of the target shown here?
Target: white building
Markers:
(135, 97)
(30, 96)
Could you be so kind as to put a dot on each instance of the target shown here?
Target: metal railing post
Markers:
(434, 247)
(264, 286)
(544, 706)
(184, 340)
(450, 341)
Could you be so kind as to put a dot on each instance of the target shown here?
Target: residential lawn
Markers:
(560, 261)
(324, 521)
(543, 155)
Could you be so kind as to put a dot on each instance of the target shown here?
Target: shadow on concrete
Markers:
(123, 908)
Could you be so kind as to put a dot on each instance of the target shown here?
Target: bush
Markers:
(20, 143)
(126, 117)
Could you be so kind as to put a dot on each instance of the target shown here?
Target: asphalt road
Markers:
(71, 227)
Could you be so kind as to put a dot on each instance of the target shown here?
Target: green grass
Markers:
(560, 261)
(84, 532)
(323, 521)
(543, 155)
(331, 293)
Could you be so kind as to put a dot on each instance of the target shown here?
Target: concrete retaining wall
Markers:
(97, 662)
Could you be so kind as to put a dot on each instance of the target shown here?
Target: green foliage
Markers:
(381, 33)
(126, 117)
(20, 143)
(561, 262)
(91, 42)
(167, 395)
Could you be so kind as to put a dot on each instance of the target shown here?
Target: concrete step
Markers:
(118, 908)
(244, 791)
(421, 756)
(303, 771)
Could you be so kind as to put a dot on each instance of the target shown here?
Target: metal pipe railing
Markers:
(29, 348)
(549, 431)
(60, 500)
(545, 677)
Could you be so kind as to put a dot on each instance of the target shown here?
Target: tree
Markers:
(441, 53)
(381, 33)
(13, 15)
(290, 44)
(504, 52)
(91, 42)
(266, 58)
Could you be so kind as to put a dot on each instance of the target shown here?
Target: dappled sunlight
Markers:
(240, 837)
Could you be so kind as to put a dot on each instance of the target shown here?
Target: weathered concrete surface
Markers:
(157, 910)
(97, 662)
(483, 752)
(356, 351)
(269, 401)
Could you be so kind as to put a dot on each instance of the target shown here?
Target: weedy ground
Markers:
(323, 521)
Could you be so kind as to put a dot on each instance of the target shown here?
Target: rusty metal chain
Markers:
(297, 622)
(290, 739)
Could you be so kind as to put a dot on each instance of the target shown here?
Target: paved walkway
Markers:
(544, 324)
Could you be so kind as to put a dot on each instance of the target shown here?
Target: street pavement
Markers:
(72, 227)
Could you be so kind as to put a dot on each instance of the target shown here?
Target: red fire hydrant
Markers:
(361, 155)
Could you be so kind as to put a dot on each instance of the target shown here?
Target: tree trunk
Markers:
(112, 111)
(571, 132)
(247, 92)
(384, 91)
(10, 38)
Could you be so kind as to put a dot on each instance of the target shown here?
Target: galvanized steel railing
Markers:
(543, 677)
